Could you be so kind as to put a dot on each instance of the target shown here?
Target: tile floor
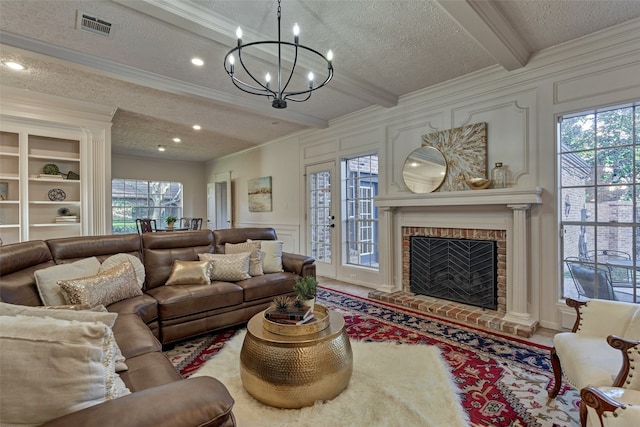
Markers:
(473, 316)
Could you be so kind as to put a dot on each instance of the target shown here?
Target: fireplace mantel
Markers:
(500, 196)
(519, 200)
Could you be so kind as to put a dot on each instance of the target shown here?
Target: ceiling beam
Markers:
(155, 81)
(482, 20)
(201, 21)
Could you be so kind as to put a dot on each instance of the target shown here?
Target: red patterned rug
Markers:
(504, 381)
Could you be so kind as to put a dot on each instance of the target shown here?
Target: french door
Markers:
(321, 223)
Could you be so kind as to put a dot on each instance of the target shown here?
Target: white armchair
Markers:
(583, 354)
(615, 406)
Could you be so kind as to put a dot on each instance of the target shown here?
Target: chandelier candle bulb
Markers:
(239, 35)
(296, 32)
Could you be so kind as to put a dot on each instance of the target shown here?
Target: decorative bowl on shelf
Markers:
(478, 183)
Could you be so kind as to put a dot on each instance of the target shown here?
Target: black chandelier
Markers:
(280, 94)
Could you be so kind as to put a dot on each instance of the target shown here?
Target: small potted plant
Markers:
(171, 220)
(305, 289)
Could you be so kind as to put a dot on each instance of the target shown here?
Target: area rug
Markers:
(413, 388)
(503, 380)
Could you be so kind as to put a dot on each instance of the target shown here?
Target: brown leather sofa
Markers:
(162, 315)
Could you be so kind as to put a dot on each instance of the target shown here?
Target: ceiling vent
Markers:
(93, 25)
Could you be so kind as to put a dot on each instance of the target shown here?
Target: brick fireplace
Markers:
(499, 215)
(498, 236)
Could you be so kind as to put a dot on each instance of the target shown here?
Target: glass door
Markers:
(321, 218)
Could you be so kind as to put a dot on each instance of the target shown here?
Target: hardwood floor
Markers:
(540, 336)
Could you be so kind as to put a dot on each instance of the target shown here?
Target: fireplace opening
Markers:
(460, 270)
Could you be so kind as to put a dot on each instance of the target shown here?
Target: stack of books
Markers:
(291, 317)
(67, 218)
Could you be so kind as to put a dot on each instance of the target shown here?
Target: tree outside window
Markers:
(132, 199)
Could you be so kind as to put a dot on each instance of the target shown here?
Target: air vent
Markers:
(93, 25)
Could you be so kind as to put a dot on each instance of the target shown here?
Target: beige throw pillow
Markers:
(189, 273)
(255, 259)
(271, 255)
(228, 267)
(96, 314)
(52, 367)
(113, 285)
(116, 259)
(47, 278)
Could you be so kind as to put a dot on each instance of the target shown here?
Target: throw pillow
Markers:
(228, 267)
(52, 367)
(189, 273)
(255, 259)
(96, 314)
(104, 288)
(47, 278)
(271, 256)
(116, 259)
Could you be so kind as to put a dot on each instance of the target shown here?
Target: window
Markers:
(360, 186)
(131, 199)
(599, 158)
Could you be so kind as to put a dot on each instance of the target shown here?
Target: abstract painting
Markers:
(260, 194)
(465, 149)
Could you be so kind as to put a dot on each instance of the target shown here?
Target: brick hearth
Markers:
(475, 316)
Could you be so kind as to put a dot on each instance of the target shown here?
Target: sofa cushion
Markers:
(228, 267)
(113, 285)
(267, 286)
(190, 273)
(179, 301)
(53, 367)
(149, 370)
(47, 278)
(255, 260)
(116, 259)
(145, 306)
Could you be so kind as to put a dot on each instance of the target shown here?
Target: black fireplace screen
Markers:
(458, 270)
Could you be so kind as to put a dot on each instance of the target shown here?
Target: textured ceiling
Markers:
(383, 49)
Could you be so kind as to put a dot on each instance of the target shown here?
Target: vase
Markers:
(310, 302)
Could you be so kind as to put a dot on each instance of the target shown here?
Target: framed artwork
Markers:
(260, 194)
(465, 150)
(4, 191)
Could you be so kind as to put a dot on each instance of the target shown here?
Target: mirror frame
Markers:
(423, 155)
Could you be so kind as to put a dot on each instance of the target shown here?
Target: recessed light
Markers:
(161, 148)
(177, 140)
(197, 61)
(197, 127)
(14, 66)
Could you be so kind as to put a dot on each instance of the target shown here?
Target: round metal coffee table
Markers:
(293, 371)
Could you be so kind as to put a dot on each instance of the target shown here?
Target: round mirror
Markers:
(424, 170)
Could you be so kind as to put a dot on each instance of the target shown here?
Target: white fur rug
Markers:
(391, 384)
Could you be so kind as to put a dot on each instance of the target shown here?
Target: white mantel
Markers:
(500, 196)
(519, 200)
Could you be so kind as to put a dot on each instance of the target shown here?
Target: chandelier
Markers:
(280, 92)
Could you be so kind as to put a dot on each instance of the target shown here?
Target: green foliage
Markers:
(305, 287)
(171, 219)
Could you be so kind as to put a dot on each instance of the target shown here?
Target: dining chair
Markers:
(191, 223)
(146, 225)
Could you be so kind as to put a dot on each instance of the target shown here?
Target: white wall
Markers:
(520, 108)
(190, 174)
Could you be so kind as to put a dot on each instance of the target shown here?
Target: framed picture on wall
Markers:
(4, 191)
(260, 194)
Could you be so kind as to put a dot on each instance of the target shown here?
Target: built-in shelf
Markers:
(56, 224)
(500, 196)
